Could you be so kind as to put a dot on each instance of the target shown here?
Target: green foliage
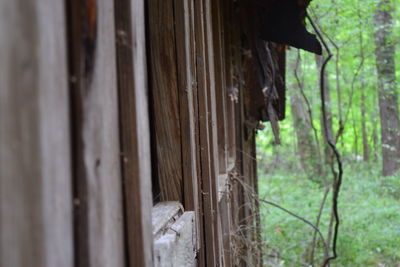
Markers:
(369, 210)
(369, 203)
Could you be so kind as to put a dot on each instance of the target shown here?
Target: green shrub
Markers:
(369, 209)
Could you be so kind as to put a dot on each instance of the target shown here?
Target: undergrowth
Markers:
(369, 209)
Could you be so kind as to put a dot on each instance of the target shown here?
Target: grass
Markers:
(369, 208)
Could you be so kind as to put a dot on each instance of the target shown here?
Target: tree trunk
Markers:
(363, 125)
(355, 133)
(388, 107)
(307, 148)
(362, 106)
(375, 140)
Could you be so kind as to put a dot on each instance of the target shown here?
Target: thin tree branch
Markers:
(326, 252)
(309, 109)
(337, 182)
(256, 198)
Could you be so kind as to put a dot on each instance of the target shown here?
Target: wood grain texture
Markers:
(253, 101)
(207, 252)
(250, 211)
(163, 215)
(134, 130)
(233, 66)
(231, 90)
(194, 37)
(208, 133)
(35, 179)
(165, 99)
(213, 126)
(186, 76)
(220, 87)
(185, 47)
(225, 215)
(176, 247)
(98, 196)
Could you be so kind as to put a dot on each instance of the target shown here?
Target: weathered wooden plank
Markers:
(223, 135)
(163, 215)
(255, 100)
(208, 256)
(230, 83)
(252, 97)
(176, 247)
(186, 78)
(225, 214)
(220, 87)
(258, 250)
(99, 225)
(135, 132)
(35, 177)
(165, 99)
(249, 209)
(194, 39)
(185, 48)
(234, 123)
(213, 126)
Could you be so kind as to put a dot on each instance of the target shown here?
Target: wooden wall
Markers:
(197, 111)
(35, 168)
(110, 107)
(75, 173)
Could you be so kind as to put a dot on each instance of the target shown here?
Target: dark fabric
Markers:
(285, 25)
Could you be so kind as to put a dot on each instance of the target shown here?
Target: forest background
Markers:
(362, 108)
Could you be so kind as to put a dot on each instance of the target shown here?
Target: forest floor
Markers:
(369, 207)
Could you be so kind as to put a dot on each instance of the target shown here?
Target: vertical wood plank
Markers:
(208, 133)
(220, 89)
(231, 89)
(205, 186)
(249, 208)
(186, 78)
(195, 104)
(185, 47)
(253, 102)
(98, 196)
(35, 177)
(134, 127)
(196, 85)
(235, 126)
(219, 40)
(165, 99)
(213, 126)
(225, 214)
(258, 255)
